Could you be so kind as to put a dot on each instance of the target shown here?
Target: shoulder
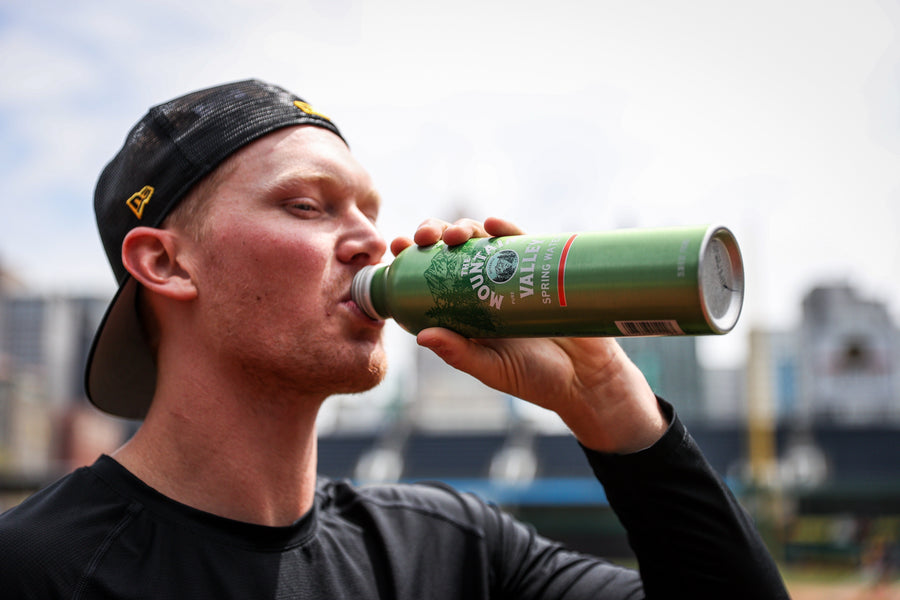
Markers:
(53, 534)
(39, 515)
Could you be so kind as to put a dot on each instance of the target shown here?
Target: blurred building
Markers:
(671, 367)
(50, 336)
(840, 366)
(849, 359)
(44, 342)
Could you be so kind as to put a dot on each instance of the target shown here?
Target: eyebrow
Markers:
(332, 183)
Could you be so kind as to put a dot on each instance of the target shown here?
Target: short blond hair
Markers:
(190, 214)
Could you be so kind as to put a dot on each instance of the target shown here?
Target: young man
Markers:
(234, 219)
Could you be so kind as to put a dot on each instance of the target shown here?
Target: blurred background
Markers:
(780, 120)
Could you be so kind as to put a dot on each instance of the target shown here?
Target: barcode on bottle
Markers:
(636, 328)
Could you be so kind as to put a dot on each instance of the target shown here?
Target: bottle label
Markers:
(474, 284)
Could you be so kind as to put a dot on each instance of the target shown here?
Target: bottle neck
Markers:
(367, 290)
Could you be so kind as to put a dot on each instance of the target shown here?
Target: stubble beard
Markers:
(362, 379)
(323, 373)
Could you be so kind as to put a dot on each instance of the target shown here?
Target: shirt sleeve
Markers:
(690, 535)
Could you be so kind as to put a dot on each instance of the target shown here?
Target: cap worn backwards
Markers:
(172, 148)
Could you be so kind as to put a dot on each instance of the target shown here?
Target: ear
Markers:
(154, 259)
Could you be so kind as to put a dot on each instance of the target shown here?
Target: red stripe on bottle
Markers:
(561, 271)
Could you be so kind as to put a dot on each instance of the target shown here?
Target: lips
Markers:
(354, 308)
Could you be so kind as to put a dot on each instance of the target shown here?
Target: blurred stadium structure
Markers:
(806, 432)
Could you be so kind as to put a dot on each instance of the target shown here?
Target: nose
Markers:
(362, 242)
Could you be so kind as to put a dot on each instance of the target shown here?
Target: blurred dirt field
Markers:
(848, 590)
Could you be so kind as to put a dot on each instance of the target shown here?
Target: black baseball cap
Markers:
(173, 147)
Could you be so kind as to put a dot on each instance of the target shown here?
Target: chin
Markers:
(364, 379)
(376, 373)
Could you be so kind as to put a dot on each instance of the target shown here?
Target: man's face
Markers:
(286, 230)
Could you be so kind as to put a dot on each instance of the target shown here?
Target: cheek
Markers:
(267, 273)
(261, 250)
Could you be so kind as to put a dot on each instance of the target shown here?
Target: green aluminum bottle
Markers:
(630, 282)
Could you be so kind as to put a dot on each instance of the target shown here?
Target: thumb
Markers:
(480, 360)
(451, 347)
(461, 353)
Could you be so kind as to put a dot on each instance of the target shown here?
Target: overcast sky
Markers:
(779, 119)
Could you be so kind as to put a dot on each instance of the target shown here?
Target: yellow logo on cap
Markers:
(138, 201)
(309, 109)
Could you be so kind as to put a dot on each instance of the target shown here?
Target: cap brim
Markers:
(120, 375)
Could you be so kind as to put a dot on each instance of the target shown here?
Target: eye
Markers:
(304, 207)
(371, 215)
(369, 209)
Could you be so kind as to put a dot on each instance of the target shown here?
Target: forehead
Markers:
(299, 153)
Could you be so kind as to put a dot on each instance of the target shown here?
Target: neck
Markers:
(236, 456)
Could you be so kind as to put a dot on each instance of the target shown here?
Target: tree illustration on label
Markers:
(454, 286)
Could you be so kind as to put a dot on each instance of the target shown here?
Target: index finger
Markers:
(453, 234)
(497, 227)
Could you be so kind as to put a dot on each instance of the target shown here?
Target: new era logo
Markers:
(138, 201)
(309, 109)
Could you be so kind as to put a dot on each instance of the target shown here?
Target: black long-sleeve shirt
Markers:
(102, 533)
